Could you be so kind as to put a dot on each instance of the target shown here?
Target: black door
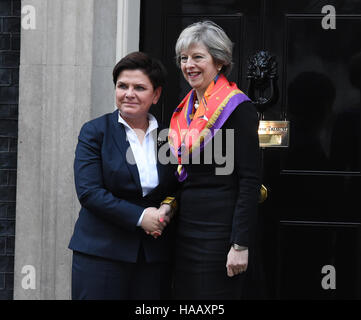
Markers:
(308, 243)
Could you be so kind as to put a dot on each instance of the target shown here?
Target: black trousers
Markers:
(96, 278)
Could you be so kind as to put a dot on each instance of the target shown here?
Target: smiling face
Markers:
(134, 95)
(198, 67)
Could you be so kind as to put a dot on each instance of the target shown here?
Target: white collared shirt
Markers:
(145, 155)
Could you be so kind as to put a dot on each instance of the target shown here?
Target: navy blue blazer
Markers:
(110, 194)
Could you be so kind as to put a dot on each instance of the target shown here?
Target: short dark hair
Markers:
(151, 67)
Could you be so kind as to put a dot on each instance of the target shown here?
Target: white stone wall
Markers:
(65, 79)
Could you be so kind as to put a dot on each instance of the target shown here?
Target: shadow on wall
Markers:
(345, 142)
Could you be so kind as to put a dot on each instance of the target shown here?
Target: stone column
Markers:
(65, 79)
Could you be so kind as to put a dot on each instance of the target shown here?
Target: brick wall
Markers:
(10, 13)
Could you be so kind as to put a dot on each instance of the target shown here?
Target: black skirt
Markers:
(204, 226)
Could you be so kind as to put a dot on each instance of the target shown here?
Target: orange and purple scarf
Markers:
(190, 133)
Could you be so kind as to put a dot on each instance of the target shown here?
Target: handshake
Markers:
(155, 220)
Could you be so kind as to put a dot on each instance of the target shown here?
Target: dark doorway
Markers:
(312, 216)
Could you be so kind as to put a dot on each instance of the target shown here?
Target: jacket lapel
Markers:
(160, 140)
(121, 141)
(157, 146)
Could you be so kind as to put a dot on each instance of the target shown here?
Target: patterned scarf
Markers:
(190, 133)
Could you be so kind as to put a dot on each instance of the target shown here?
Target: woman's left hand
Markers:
(166, 212)
(237, 262)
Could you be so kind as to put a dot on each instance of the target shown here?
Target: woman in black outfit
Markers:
(214, 134)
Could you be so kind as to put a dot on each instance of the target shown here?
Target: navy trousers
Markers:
(96, 278)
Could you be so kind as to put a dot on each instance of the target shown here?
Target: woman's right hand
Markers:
(153, 221)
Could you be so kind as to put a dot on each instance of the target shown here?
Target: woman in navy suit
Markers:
(121, 248)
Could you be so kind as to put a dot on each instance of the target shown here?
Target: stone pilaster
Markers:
(65, 80)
